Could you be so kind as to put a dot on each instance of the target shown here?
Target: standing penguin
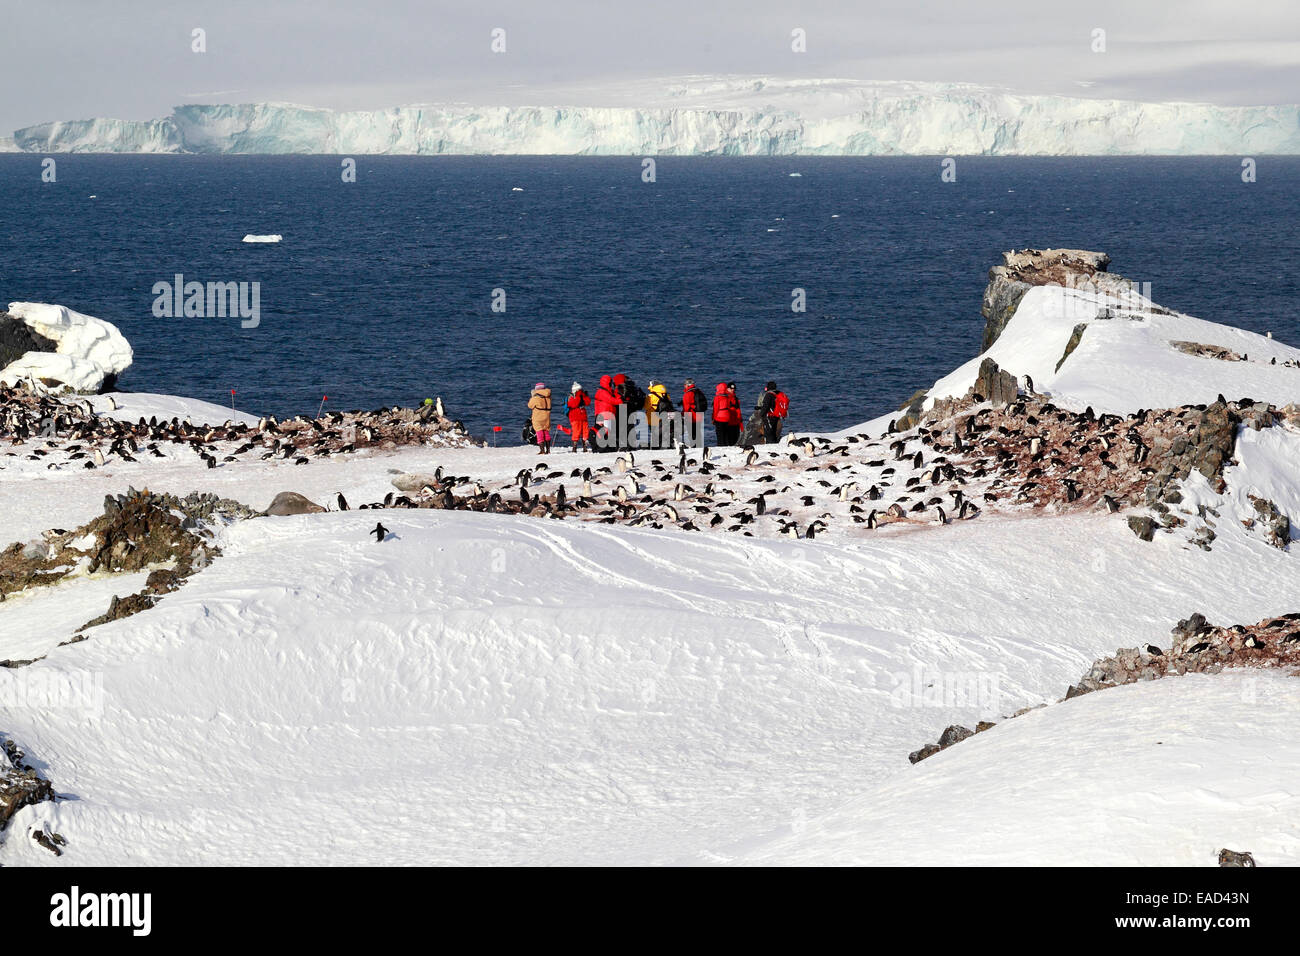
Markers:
(380, 532)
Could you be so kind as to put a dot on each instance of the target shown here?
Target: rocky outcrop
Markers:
(995, 385)
(953, 734)
(1076, 336)
(137, 531)
(1201, 350)
(1021, 271)
(1236, 858)
(20, 784)
(1199, 647)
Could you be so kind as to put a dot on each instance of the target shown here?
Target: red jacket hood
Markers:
(605, 381)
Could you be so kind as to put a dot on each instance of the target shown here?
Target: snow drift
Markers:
(90, 352)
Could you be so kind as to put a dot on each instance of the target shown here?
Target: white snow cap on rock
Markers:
(87, 349)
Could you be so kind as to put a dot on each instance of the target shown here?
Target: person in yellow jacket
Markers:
(657, 402)
(540, 405)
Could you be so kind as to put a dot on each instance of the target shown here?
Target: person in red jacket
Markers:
(605, 405)
(726, 414)
(694, 405)
(579, 428)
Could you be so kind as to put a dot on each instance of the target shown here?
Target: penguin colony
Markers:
(66, 433)
(970, 457)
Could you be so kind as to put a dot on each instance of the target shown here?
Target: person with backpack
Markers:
(540, 405)
(605, 405)
(634, 402)
(658, 407)
(579, 428)
(726, 414)
(775, 405)
(694, 405)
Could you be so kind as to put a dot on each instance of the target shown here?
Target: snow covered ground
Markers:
(484, 688)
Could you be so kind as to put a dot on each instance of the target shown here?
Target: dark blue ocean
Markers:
(381, 291)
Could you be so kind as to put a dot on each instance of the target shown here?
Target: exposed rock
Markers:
(51, 841)
(119, 608)
(954, 734)
(913, 409)
(1075, 338)
(1020, 271)
(929, 750)
(292, 503)
(994, 385)
(1277, 526)
(20, 784)
(1142, 526)
(1208, 351)
(1235, 858)
(18, 338)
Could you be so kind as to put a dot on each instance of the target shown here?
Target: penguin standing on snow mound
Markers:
(380, 532)
(343, 502)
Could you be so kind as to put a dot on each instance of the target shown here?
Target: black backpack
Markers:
(529, 434)
(635, 397)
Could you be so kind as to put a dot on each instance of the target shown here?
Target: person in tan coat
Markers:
(540, 403)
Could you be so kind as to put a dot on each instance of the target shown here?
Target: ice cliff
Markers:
(710, 116)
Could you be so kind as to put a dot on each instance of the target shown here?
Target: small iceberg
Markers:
(796, 175)
(516, 189)
(252, 238)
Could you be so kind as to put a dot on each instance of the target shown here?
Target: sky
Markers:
(133, 59)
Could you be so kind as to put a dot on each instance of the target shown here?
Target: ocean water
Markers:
(382, 290)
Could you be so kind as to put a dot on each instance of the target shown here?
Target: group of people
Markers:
(627, 416)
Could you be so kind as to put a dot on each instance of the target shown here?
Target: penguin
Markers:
(751, 458)
(380, 532)
(343, 502)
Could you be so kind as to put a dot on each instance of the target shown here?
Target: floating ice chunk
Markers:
(272, 238)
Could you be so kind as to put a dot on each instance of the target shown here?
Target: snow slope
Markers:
(1167, 772)
(1127, 362)
(481, 689)
(704, 115)
(485, 688)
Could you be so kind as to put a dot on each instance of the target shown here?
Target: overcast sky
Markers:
(132, 59)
